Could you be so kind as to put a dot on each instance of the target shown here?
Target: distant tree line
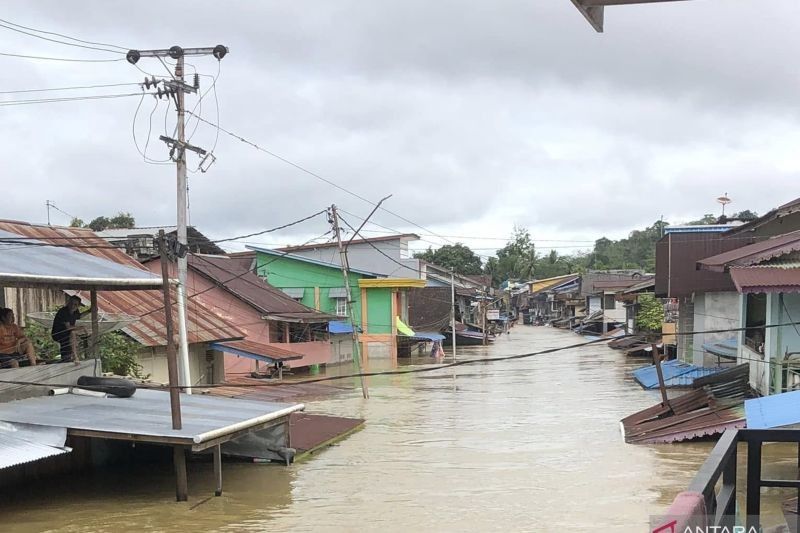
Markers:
(519, 259)
(119, 221)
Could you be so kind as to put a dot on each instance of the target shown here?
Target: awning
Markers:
(403, 329)
(778, 410)
(725, 348)
(337, 292)
(255, 350)
(763, 279)
(27, 262)
(24, 443)
(298, 292)
(340, 328)
(428, 335)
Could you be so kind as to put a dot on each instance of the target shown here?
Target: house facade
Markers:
(377, 302)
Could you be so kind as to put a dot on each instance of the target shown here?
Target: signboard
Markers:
(492, 314)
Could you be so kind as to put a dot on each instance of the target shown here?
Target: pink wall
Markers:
(247, 319)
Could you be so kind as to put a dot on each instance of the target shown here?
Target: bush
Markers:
(117, 351)
(651, 314)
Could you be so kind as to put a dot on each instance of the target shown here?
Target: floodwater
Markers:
(525, 445)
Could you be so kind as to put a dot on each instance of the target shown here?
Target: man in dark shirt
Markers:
(64, 329)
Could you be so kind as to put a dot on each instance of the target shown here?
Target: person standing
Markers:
(64, 330)
(15, 347)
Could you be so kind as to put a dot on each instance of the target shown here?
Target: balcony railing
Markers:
(716, 479)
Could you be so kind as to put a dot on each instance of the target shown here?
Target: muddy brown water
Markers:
(525, 445)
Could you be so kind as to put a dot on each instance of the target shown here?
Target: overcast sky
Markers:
(475, 116)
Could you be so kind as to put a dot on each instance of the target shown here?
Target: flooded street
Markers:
(524, 445)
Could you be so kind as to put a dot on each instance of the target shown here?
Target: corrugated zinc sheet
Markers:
(247, 286)
(753, 253)
(15, 451)
(748, 279)
(778, 410)
(203, 325)
(676, 374)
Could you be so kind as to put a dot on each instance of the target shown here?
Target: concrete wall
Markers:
(363, 256)
(713, 311)
(202, 369)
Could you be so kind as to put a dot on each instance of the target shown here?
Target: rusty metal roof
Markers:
(230, 275)
(759, 279)
(753, 253)
(203, 325)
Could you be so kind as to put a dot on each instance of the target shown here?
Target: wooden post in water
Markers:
(661, 385)
(218, 469)
(182, 481)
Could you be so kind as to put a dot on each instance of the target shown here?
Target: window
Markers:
(756, 319)
(609, 302)
(341, 306)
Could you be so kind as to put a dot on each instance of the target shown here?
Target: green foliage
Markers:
(707, 219)
(117, 351)
(120, 221)
(637, 251)
(515, 260)
(651, 314)
(457, 257)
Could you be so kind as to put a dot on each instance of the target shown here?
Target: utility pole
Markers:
(177, 88)
(485, 332)
(334, 220)
(48, 204)
(453, 309)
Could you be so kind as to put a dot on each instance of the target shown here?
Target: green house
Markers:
(377, 302)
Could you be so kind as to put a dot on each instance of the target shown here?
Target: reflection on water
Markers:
(524, 445)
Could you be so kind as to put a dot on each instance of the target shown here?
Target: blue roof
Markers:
(773, 411)
(699, 228)
(727, 348)
(309, 260)
(340, 327)
(676, 374)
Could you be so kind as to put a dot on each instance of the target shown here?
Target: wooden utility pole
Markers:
(453, 309)
(177, 88)
(172, 360)
(334, 220)
(485, 332)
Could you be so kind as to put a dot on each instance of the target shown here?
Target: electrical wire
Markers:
(122, 48)
(143, 153)
(69, 88)
(64, 59)
(66, 99)
(101, 49)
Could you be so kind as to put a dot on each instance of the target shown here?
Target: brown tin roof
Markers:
(753, 253)
(203, 325)
(761, 279)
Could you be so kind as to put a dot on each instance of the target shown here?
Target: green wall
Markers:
(288, 273)
(379, 310)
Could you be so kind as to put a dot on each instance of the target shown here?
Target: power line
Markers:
(67, 99)
(65, 59)
(78, 87)
(122, 48)
(101, 49)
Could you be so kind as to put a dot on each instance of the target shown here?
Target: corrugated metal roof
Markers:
(552, 283)
(203, 325)
(278, 253)
(33, 263)
(337, 292)
(15, 451)
(752, 280)
(250, 288)
(778, 410)
(294, 292)
(676, 374)
(146, 414)
(256, 350)
(753, 253)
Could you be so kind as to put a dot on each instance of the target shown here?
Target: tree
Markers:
(516, 260)
(121, 220)
(745, 215)
(707, 219)
(651, 314)
(458, 257)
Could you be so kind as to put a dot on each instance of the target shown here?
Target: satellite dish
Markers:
(724, 200)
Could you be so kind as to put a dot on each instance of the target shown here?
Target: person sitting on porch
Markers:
(64, 329)
(15, 348)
